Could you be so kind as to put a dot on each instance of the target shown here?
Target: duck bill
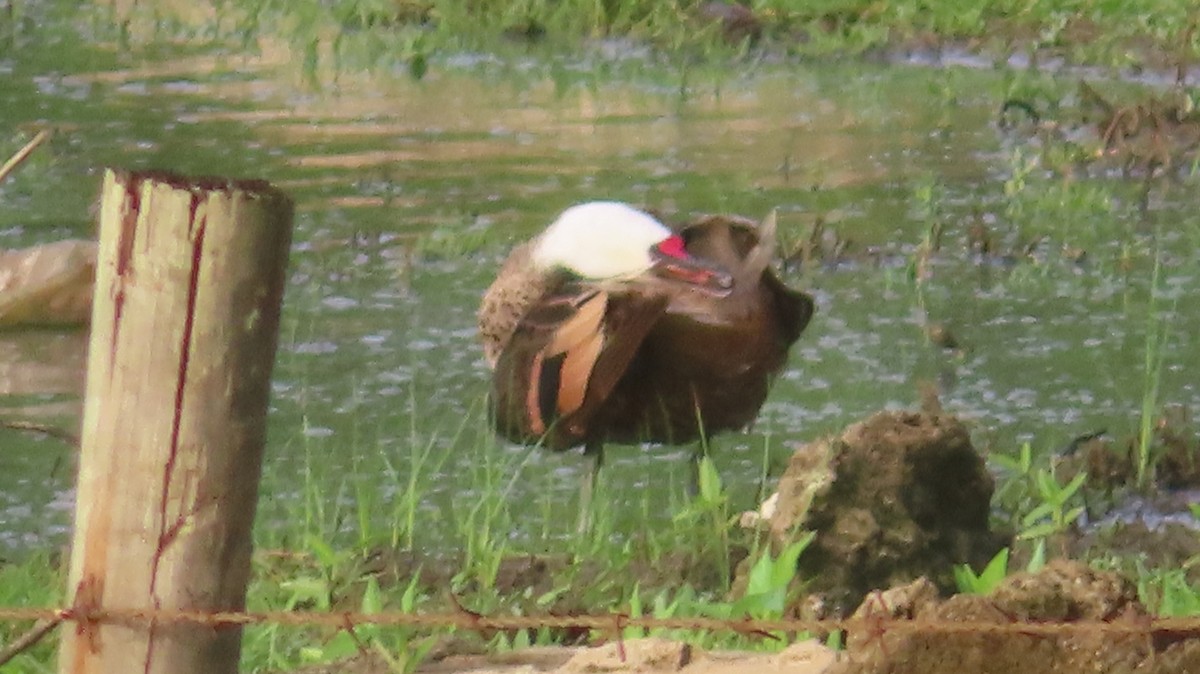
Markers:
(691, 271)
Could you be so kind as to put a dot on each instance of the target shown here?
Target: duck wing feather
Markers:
(564, 358)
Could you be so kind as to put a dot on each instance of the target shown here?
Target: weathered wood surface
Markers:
(189, 283)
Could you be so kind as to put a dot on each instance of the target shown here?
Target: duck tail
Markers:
(759, 257)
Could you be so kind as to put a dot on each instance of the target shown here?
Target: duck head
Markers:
(611, 241)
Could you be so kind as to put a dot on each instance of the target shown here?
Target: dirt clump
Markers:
(1064, 592)
(899, 496)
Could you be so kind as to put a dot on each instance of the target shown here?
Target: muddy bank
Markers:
(1070, 594)
(1067, 619)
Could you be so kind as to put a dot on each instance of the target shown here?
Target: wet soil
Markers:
(1169, 545)
(1150, 522)
(1174, 450)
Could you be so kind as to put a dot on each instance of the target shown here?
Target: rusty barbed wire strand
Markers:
(602, 622)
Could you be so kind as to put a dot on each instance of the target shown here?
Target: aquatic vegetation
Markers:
(770, 587)
(1157, 333)
(1052, 514)
(353, 35)
(1041, 507)
(453, 240)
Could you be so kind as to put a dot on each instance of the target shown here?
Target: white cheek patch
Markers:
(600, 240)
(608, 259)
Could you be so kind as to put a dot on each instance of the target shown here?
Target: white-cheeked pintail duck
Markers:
(611, 327)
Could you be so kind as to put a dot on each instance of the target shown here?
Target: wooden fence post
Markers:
(185, 323)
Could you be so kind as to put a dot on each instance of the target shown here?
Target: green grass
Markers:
(1170, 592)
(359, 34)
(338, 530)
(598, 570)
(1038, 504)
(34, 581)
(595, 576)
(1157, 334)
(320, 575)
(343, 538)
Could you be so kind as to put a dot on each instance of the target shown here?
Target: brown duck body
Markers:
(642, 359)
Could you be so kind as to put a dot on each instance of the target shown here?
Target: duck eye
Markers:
(672, 246)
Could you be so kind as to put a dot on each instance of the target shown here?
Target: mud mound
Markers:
(1063, 592)
(899, 496)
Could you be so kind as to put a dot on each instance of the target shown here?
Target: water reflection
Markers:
(41, 382)
(43, 364)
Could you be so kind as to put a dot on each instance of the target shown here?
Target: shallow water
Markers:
(409, 192)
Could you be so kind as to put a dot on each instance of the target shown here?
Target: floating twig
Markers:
(23, 154)
(45, 429)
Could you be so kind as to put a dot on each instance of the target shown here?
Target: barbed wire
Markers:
(875, 626)
(610, 621)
